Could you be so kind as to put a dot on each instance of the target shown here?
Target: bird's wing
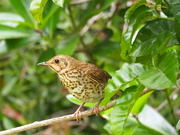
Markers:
(97, 74)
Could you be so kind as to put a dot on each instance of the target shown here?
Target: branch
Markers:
(54, 120)
(61, 119)
(146, 90)
(90, 23)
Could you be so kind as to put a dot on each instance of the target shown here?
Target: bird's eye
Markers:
(56, 61)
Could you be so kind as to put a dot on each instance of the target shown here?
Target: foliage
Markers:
(137, 42)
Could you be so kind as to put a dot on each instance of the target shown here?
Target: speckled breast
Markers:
(83, 88)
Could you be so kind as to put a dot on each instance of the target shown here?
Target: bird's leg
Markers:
(77, 114)
(95, 109)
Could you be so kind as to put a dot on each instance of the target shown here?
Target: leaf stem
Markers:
(166, 18)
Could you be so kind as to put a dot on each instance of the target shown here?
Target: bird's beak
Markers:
(43, 64)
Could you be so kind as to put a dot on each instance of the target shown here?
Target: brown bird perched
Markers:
(83, 80)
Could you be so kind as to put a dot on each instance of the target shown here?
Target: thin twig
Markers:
(113, 10)
(54, 120)
(90, 22)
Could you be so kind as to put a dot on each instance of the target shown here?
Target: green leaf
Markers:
(74, 100)
(107, 128)
(52, 16)
(68, 46)
(92, 10)
(152, 119)
(175, 6)
(140, 103)
(132, 9)
(169, 65)
(178, 126)
(122, 79)
(12, 44)
(136, 15)
(155, 79)
(132, 127)
(52, 19)
(36, 9)
(59, 2)
(164, 76)
(10, 19)
(122, 109)
(21, 7)
(7, 32)
(9, 86)
(177, 29)
(7, 123)
(154, 38)
(3, 47)
(125, 45)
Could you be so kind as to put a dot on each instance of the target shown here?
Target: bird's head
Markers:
(57, 63)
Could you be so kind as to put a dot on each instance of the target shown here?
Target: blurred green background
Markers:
(95, 31)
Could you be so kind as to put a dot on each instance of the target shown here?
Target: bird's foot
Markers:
(77, 115)
(95, 109)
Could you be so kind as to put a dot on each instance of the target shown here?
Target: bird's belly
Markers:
(83, 89)
(88, 93)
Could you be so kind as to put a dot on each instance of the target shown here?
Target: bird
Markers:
(85, 81)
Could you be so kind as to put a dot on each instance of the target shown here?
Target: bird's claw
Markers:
(95, 110)
(77, 115)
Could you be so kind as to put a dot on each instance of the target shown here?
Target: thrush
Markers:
(85, 81)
